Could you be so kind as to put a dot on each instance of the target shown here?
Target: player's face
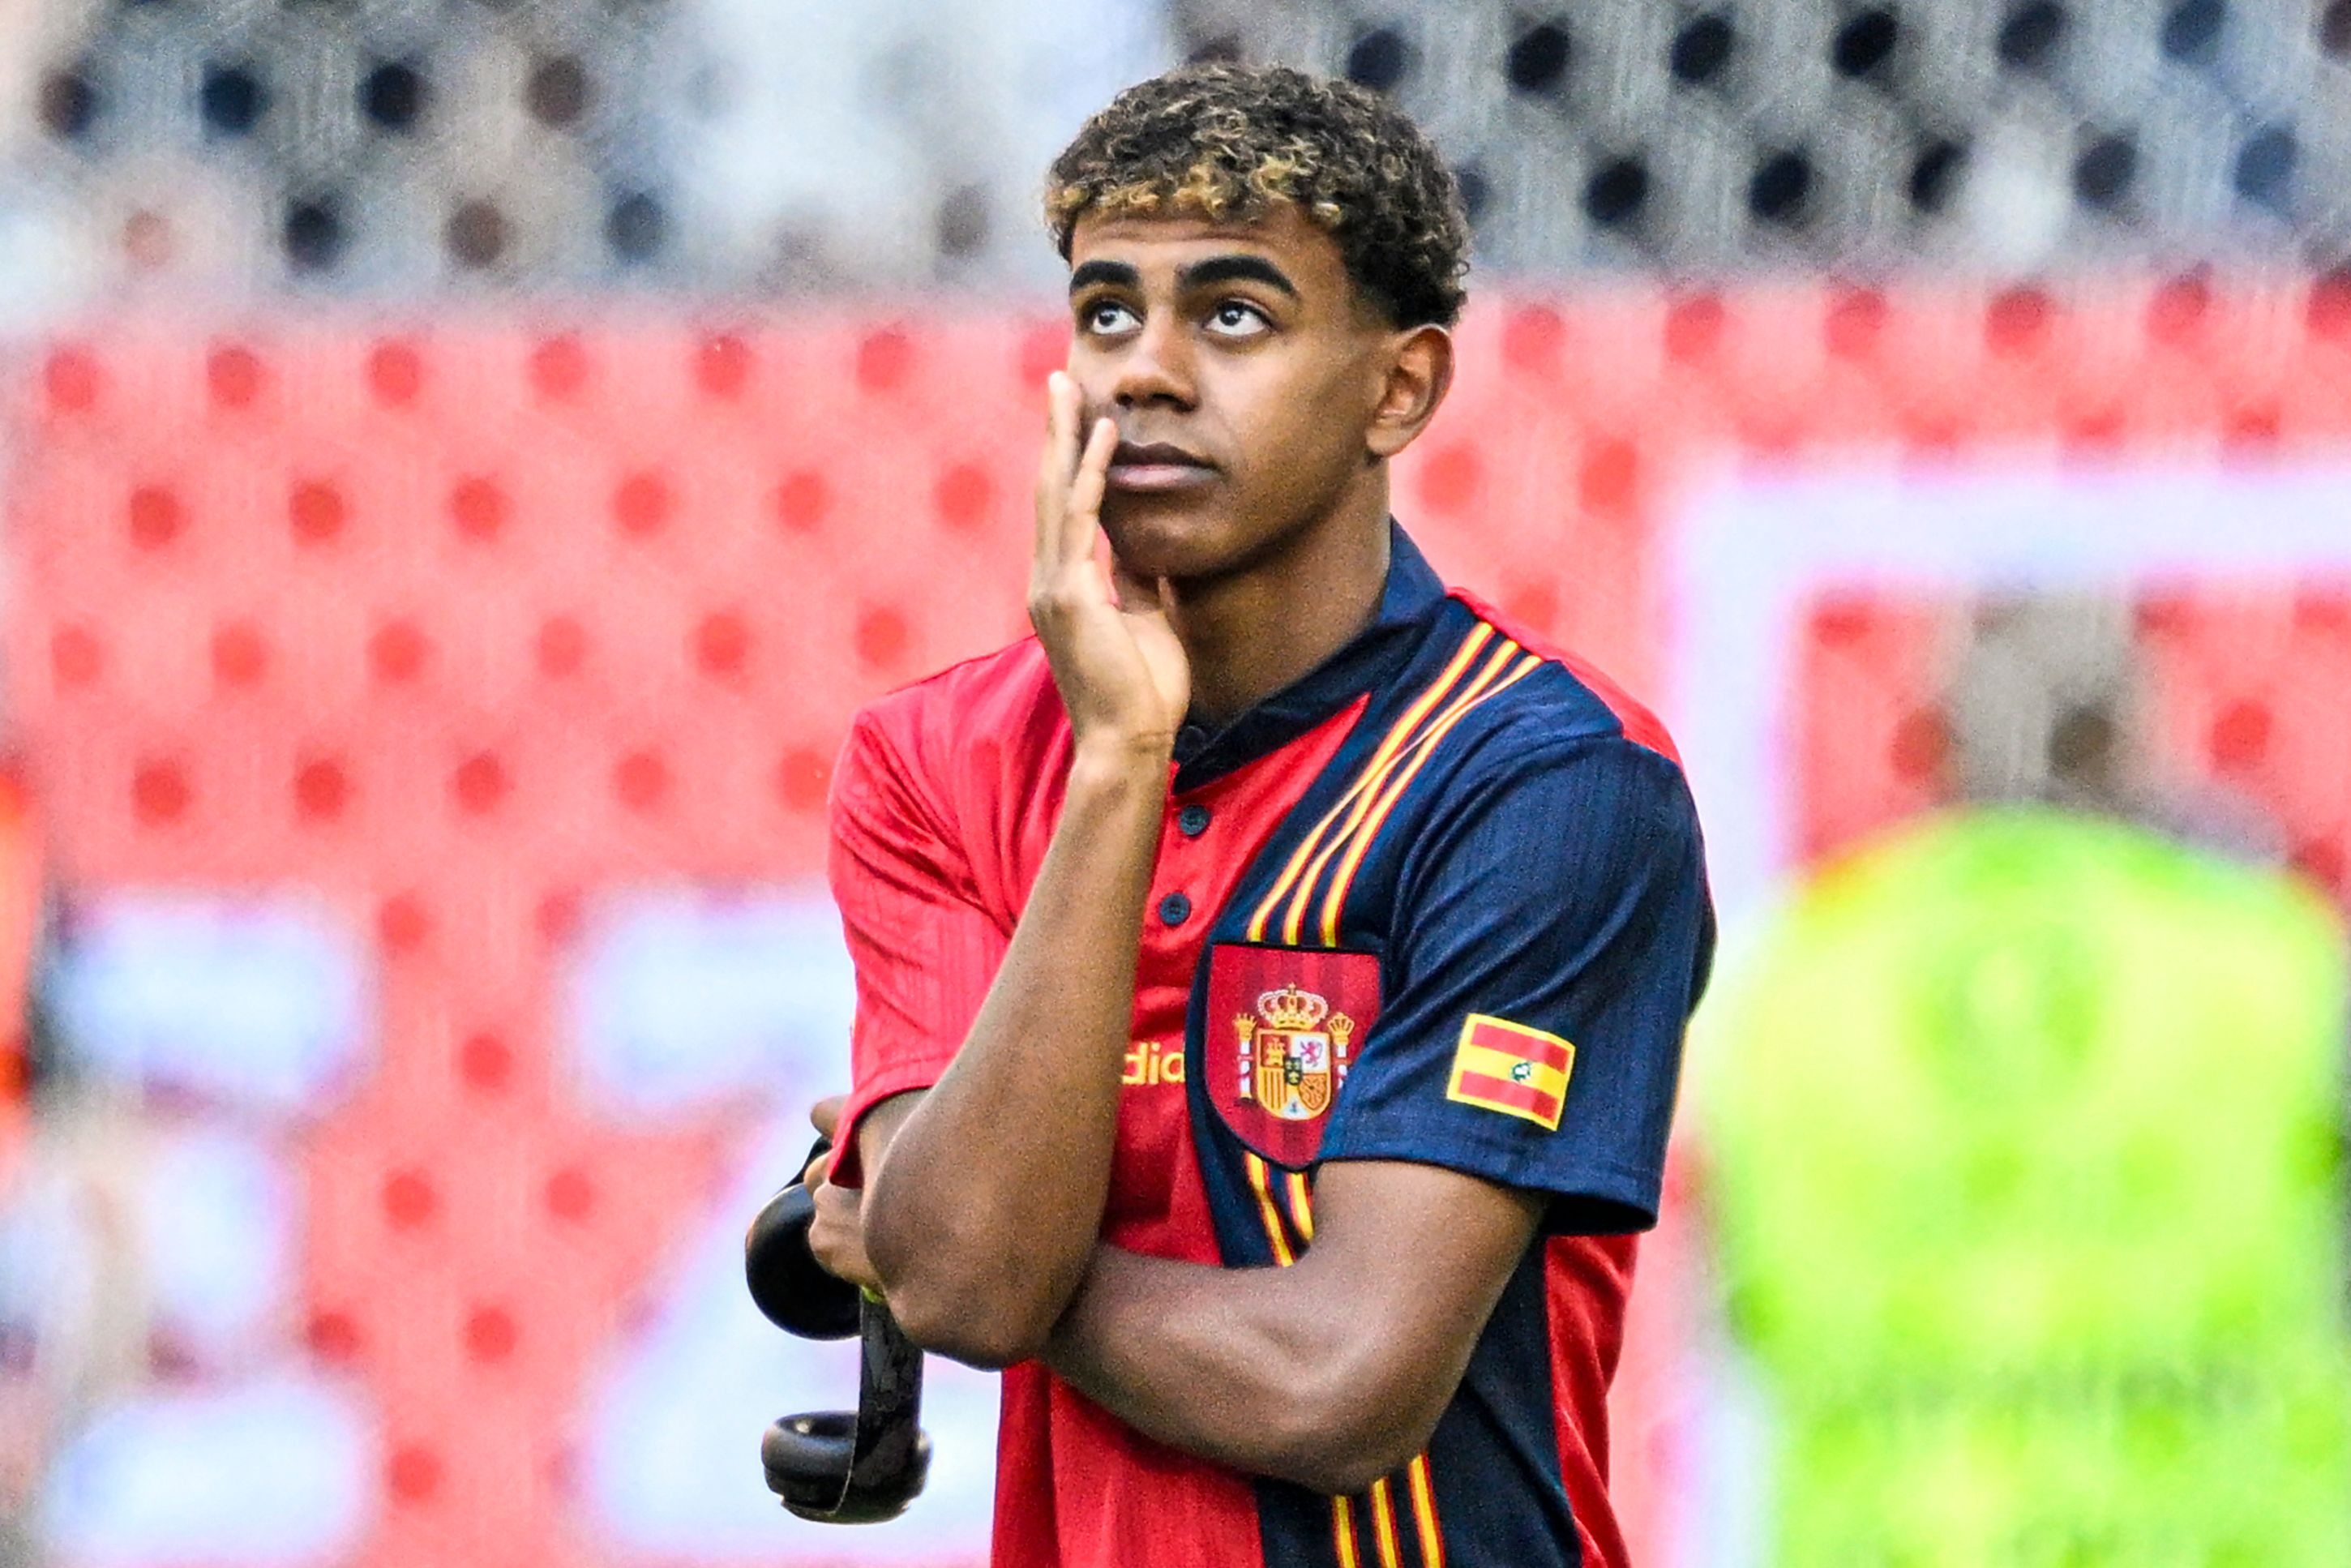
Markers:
(1243, 368)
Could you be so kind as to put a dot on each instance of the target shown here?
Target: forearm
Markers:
(1331, 1373)
(982, 1215)
(1252, 1368)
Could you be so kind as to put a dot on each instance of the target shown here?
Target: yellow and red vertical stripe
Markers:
(1327, 859)
(1352, 804)
(1286, 1205)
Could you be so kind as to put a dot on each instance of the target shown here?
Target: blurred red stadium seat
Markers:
(455, 624)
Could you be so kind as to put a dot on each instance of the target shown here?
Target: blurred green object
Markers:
(2026, 1162)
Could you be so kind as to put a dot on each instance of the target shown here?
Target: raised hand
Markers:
(1122, 673)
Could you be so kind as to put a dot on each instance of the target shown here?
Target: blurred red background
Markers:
(456, 624)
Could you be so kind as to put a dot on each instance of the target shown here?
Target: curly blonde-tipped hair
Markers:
(1223, 141)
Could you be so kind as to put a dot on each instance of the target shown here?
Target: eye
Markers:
(1237, 318)
(1106, 318)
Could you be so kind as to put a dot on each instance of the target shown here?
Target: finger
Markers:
(817, 1170)
(825, 1114)
(1057, 463)
(1048, 492)
(839, 1221)
(836, 1236)
(1072, 425)
(1084, 514)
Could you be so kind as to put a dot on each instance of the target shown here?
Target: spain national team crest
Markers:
(1283, 1027)
(1293, 1052)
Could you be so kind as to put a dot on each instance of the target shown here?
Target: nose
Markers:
(1155, 367)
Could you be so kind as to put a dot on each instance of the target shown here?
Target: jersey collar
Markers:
(1373, 657)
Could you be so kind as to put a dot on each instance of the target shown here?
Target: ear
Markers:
(1417, 373)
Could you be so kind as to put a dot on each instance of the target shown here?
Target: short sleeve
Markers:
(924, 949)
(1553, 933)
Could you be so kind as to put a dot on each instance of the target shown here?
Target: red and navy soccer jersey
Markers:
(1441, 901)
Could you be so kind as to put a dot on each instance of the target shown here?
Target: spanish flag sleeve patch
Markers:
(1507, 1067)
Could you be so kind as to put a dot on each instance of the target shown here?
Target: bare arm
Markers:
(1331, 1373)
(980, 1222)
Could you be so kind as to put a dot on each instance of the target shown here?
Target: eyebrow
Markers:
(1116, 274)
(1235, 269)
(1199, 275)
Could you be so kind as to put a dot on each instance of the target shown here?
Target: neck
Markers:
(1253, 631)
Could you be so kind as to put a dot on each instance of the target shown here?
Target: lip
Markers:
(1157, 465)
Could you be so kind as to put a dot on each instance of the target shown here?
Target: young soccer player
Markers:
(1271, 976)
